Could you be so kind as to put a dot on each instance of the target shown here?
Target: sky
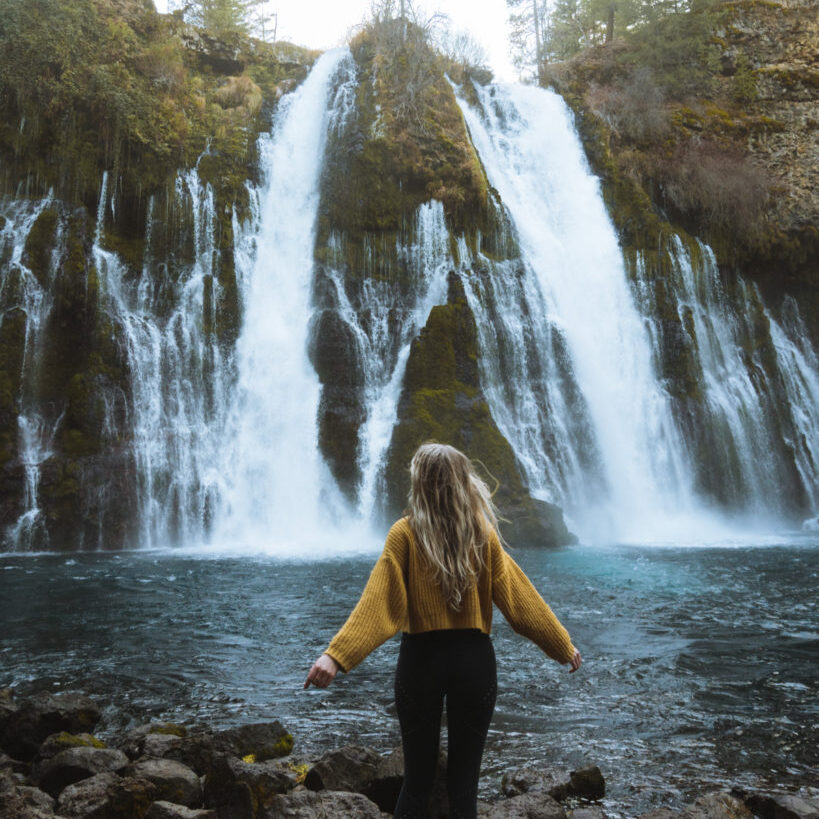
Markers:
(325, 23)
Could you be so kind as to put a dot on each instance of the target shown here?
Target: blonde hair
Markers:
(451, 515)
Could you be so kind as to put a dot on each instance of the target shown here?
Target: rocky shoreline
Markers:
(53, 767)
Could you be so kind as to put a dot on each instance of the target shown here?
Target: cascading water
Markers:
(276, 488)
(23, 294)
(179, 378)
(757, 420)
(574, 282)
(383, 322)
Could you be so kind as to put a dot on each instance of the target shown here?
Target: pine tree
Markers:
(224, 16)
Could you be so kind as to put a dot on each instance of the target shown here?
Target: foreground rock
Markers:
(106, 796)
(584, 783)
(23, 728)
(169, 810)
(75, 764)
(322, 805)
(242, 790)
(174, 782)
(536, 805)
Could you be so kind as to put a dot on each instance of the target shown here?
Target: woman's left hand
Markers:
(323, 672)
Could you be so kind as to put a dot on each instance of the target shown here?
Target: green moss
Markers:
(168, 728)
(64, 741)
(40, 244)
(441, 400)
(282, 747)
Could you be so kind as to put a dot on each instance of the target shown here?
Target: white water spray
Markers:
(278, 492)
(532, 155)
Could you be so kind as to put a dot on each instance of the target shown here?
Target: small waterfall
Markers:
(581, 314)
(384, 317)
(179, 374)
(277, 490)
(25, 295)
(757, 422)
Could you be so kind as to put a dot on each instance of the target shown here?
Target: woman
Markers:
(441, 570)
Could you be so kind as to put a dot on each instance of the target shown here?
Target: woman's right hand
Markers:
(575, 662)
(323, 672)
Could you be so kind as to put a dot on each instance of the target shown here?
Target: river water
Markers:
(701, 664)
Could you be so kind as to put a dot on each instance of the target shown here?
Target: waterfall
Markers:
(277, 490)
(758, 415)
(574, 282)
(179, 375)
(24, 294)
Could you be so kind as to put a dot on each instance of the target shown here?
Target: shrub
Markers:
(634, 108)
(717, 185)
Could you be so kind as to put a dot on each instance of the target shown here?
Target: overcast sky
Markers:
(325, 23)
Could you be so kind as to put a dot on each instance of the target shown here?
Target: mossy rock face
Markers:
(393, 156)
(40, 245)
(442, 400)
(341, 413)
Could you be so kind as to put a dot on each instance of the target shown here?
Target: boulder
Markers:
(174, 781)
(169, 810)
(389, 777)
(659, 813)
(136, 739)
(780, 805)
(264, 740)
(240, 790)
(351, 768)
(532, 805)
(717, 805)
(106, 796)
(587, 813)
(68, 767)
(63, 742)
(321, 805)
(37, 798)
(23, 802)
(586, 783)
(23, 730)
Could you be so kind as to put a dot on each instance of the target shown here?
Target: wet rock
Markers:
(532, 805)
(64, 741)
(389, 777)
(23, 802)
(716, 805)
(587, 782)
(536, 779)
(169, 810)
(106, 796)
(660, 813)
(264, 740)
(320, 805)
(239, 790)
(351, 768)
(68, 767)
(12, 765)
(24, 729)
(174, 781)
(587, 813)
(780, 805)
(37, 798)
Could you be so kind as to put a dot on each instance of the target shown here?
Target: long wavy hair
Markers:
(451, 515)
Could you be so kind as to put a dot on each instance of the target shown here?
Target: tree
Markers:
(223, 16)
(527, 19)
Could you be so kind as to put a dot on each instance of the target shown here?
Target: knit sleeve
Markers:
(379, 614)
(526, 611)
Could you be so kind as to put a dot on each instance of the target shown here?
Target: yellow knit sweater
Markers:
(401, 595)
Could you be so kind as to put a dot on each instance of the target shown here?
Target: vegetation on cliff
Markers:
(702, 120)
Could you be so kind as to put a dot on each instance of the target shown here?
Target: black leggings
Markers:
(459, 665)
